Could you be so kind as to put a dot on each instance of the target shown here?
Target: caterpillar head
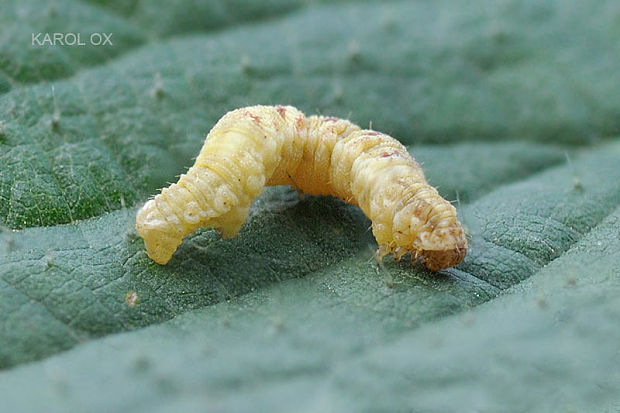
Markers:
(160, 232)
(445, 246)
(428, 228)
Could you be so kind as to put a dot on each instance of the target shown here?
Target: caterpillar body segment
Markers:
(258, 146)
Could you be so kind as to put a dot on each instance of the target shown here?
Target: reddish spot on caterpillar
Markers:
(372, 133)
(299, 123)
(281, 110)
(253, 116)
(331, 119)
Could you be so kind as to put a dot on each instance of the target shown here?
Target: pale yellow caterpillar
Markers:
(256, 146)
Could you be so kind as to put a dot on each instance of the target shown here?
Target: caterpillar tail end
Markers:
(156, 232)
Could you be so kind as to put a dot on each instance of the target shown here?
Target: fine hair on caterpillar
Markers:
(258, 146)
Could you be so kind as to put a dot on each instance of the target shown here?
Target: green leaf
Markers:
(334, 341)
(510, 107)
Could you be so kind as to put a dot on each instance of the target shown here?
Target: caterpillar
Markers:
(253, 147)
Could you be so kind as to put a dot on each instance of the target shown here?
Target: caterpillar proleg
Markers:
(258, 146)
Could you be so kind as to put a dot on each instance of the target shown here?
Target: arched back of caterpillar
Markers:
(258, 146)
